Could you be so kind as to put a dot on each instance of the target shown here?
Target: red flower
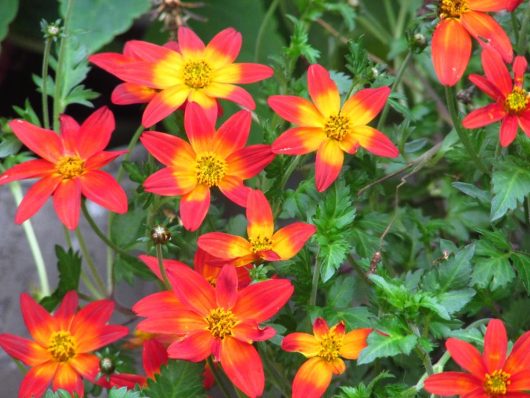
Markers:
(263, 243)
(451, 41)
(61, 352)
(512, 102)
(490, 375)
(513, 4)
(329, 128)
(221, 321)
(70, 167)
(325, 349)
(190, 71)
(211, 159)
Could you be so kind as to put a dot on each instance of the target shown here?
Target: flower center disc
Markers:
(496, 383)
(452, 8)
(516, 101)
(70, 166)
(220, 322)
(336, 127)
(210, 169)
(330, 347)
(61, 346)
(197, 74)
(260, 243)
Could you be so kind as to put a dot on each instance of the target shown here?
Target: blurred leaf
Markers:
(341, 292)
(127, 228)
(521, 263)
(380, 346)
(176, 380)
(8, 11)
(124, 393)
(473, 191)
(59, 394)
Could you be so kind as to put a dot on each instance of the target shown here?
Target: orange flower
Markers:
(221, 321)
(61, 352)
(70, 167)
(211, 159)
(329, 128)
(490, 375)
(192, 72)
(263, 243)
(325, 349)
(451, 41)
(512, 102)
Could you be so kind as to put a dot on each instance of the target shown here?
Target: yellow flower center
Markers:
(496, 383)
(197, 74)
(260, 243)
(70, 166)
(516, 101)
(61, 346)
(220, 322)
(330, 346)
(452, 8)
(210, 169)
(337, 126)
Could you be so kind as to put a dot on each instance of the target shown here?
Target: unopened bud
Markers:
(106, 365)
(160, 235)
(353, 3)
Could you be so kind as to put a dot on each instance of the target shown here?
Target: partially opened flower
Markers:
(459, 21)
(490, 375)
(69, 167)
(211, 159)
(324, 349)
(512, 102)
(61, 350)
(329, 128)
(193, 72)
(222, 321)
(263, 243)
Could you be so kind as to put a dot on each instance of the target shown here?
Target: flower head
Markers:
(329, 128)
(211, 159)
(263, 243)
(490, 375)
(69, 167)
(325, 349)
(170, 75)
(222, 321)
(459, 21)
(61, 350)
(512, 102)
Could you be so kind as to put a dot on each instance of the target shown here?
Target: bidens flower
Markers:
(70, 167)
(490, 375)
(61, 352)
(329, 128)
(325, 349)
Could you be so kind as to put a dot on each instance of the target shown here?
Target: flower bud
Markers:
(160, 235)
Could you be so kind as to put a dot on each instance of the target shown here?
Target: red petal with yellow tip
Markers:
(289, 240)
(259, 216)
(190, 45)
(365, 105)
(495, 70)
(452, 383)
(328, 164)
(199, 128)
(508, 130)
(296, 110)
(66, 378)
(483, 116)
(354, 342)
(194, 207)
(30, 169)
(37, 380)
(39, 322)
(467, 356)
(163, 104)
(451, 50)
(226, 287)
(299, 141)
(103, 189)
(320, 327)
(196, 347)
(224, 48)
(35, 197)
(67, 202)
(87, 365)
(167, 148)
(161, 304)
(224, 246)
(249, 161)
(249, 331)
(232, 93)
(233, 188)
(304, 343)
(95, 132)
(485, 85)
(130, 93)
(312, 379)
(166, 182)
(374, 141)
(243, 366)
(232, 135)
(495, 345)
(27, 351)
(44, 143)
(154, 356)
(488, 5)
(323, 90)
(243, 73)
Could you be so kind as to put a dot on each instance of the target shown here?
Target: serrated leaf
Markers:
(124, 393)
(492, 272)
(510, 185)
(380, 346)
(455, 300)
(341, 292)
(176, 380)
(456, 271)
(126, 228)
(473, 191)
(521, 263)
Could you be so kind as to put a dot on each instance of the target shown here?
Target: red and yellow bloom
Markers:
(70, 167)
(512, 102)
(329, 128)
(490, 375)
(325, 349)
(61, 350)
(451, 41)
(193, 72)
(263, 243)
(211, 159)
(222, 321)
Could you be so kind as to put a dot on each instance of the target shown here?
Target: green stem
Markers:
(219, 378)
(160, 259)
(390, 14)
(314, 283)
(90, 286)
(369, 26)
(67, 237)
(88, 258)
(290, 170)
(45, 64)
(401, 18)
(263, 26)
(450, 96)
(515, 26)
(360, 271)
(521, 43)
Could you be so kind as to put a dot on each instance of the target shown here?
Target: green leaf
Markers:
(124, 393)
(380, 346)
(455, 300)
(126, 228)
(341, 292)
(58, 394)
(8, 12)
(511, 184)
(455, 272)
(521, 263)
(473, 191)
(492, 272)
(176, 380)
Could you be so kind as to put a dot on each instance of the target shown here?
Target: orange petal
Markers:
(199, 129)
(166, 72)
(451, 49)
(66, 378)
(354, 342)
(312, 379)
(154, 356)
(232, 93)
(224, 48)
(323, 90)
(232, 187)
(483, 116)
(320, 327)
(87, 365)
(508, 130)
(299, 141)
(249, 331)
(174, 321)
(110, 62)
(452, 383)
(35, 197)
(130, 93)
(143, 50)
(162, 304)
(328, 164)
(67, 202)
(44, 143)
(519, 358)
(152, 264)
(36, 381)
(224, 246)
(98, 337)
(249, 161)
(259, 216)
(167, 182)
(296, 110)
(39, 322)
(520, 64)
(96, 313)
(487, 5)
(30, 169)
(194, 207)
(190, 44)
(495, 70)
(226, 287)
(365, 105)
(304, 343)
(232, 135)
(374, 141)
(243, 73)
(195, 347)
(168, 149)
(467, 356)
(103, 189)
(95, 132)
(102, 158)
(27, 351)
(519, 382)
(163, 104)
(289, 240)
(67, 309)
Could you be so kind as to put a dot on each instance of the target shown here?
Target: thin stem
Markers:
(314, 283)
(263, 26)
(360, 271)
(67, 237)
(90, 262)
(44, 75)
(401, 18)
(290, 170)
(390, 14)
(527, 210)
(160, 259)
(521, 43)
(515, 26)
(130, 147)
(219, 378)
(90, 286)
(369, 26)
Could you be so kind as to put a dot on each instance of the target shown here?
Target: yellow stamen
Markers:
(260, 243)
(197, 74)
(330, 345)
(452, 8)
(496, 383)
(337, 126)
(70, 167)
(220, 322)
(516, 101)
(61, 346)
(210, 169)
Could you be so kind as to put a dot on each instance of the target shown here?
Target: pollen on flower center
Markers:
(260, 243)
(61, 346)
(452, 8)
(330, 346)
(210, 169)
(516, 101)
(337, 126)
(496, 383)
(220, 322)
(197, 74)
(70, 166)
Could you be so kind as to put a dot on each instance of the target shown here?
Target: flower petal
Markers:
(508, 130)
(312, 379)
(259, 216)
(232, 93)
(233, 134)
(199, 128)
(30, 169)
(354, 342)
(130, 93)
(487, 5)
(167, 148)
(194, 207)
(44, 143)
(195, 347)
(467, 356)
(495, 70)
(67, 308)
(304, 343)
(243, 73)
(95, 132)
(66, 378)
(37, 380)
(488, 87)
(299, 141)
(520, 64)
(365, 105)
(328, 164)
(87, 365)
(323, 90)
(166, 182)
(102, 159)
(154, 356)
(296, 110)
(374, 141)
(39, 322)
(320, 327)
(520, 381)
(249, 331)
(162, 304)
(152, 264)
(226, 287)
(249, 161)
(95, 338)
(27, 351)
(190, 44)
(519, 359)
(164, 103)
(35, 197)
(232, 187)
(483, 116)
(451, 383)
(103, 189)
(224, 246)
(495, 345)
(524, 122)
(224, 48)
(289, 240)
(67, 202)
